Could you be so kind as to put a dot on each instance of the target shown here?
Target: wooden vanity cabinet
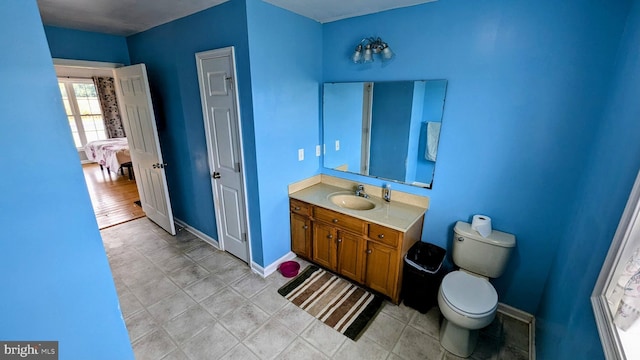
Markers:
(382, 268)
(325, 250)
(338, 249)
(300, 228)
(351, 256)
(368, 253)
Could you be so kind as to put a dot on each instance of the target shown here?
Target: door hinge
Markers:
(244, 236)
(237, 167)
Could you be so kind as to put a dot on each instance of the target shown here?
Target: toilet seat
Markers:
(469, 295)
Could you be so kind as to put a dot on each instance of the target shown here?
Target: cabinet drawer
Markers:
(339, 220)
(299, 207)
(383, 234)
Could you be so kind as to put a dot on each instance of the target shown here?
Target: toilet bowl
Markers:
(466, 298)
(468, 303)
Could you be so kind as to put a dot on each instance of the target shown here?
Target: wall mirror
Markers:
(388, 129)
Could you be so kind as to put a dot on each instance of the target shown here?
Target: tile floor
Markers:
(183, 299)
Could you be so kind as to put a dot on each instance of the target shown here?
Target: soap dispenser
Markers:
(386, 192)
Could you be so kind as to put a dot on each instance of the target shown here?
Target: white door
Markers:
(216, 73)
(139, 122)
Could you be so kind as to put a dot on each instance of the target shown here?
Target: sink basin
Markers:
(350, 201)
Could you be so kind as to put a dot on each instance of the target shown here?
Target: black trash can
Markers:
(423, 273)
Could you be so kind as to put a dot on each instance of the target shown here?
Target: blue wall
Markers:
(286, 74)
(434, 102)
(56, 282)
(85, 45)
(342, 107)
(169, 54)
(390, 123)
(527, 84)
(280, 86)
(413, 142)
(566, 327)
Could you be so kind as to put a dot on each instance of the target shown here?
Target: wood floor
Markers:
(112, 196)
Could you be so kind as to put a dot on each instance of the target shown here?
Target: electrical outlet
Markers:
(337, 145)
(317, 150)
(300, 154)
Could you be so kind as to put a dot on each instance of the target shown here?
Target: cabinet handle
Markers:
(335, 221)
(381, 236)
(297, 208)
(329, 236)
(305, 227)
(368, 251)
(339, 240)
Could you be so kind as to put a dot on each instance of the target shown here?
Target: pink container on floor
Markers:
(289, 268)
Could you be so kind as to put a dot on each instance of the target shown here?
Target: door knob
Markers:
(216, 175)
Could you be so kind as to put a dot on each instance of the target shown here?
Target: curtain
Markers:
(626, 295)
(109, 105)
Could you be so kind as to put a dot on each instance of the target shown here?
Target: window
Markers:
(81, 103)
(618, 343)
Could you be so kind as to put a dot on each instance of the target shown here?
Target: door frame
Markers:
(226, 51)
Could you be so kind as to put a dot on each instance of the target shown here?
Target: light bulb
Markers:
(357, 55)
(368, 54)
(387, 54)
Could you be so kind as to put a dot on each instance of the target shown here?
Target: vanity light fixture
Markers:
(369, 46)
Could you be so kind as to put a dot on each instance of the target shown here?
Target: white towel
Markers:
(433, 136)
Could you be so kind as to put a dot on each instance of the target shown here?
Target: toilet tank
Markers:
(485, 256)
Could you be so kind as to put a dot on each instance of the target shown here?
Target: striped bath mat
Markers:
(335, 301)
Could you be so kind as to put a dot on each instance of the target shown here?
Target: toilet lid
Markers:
(470, 294)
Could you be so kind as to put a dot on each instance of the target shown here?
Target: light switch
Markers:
(300, 154)
(317, 150)
(337, 145)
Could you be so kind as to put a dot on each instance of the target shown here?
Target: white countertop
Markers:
(395, 214)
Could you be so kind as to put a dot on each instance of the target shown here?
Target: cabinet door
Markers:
(301, 235)
(382, 268)
(324, 251)
(350, 255)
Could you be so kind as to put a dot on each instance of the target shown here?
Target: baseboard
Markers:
(515, 313)
(202, 236)
(526, 318)
(264, 272)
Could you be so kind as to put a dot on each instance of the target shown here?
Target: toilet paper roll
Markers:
(481, 224)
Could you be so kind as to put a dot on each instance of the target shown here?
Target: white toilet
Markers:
(466, 298)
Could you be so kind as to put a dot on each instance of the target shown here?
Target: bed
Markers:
(111, 153)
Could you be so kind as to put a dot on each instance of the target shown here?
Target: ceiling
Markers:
(127, 17)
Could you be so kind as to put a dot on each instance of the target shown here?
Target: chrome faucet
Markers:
(386, 193)
(360, 191)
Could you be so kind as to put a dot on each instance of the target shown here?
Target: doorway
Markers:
(114, 197)
(113, 192)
